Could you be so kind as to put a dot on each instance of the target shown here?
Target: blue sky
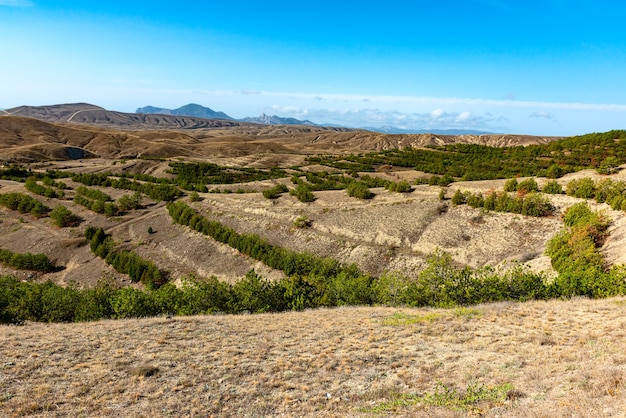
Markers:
(545, 67)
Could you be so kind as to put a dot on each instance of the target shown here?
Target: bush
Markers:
(459, 198)
(510, 185)
(359, 190)
(583, 188)
(527, 186)
(303, 193)
(610, 165)
(129, 202)
(275, 191)
(302, 222)
(63, 217)
(194, 197)
(402, 186)
(131, 303)
(552, 187)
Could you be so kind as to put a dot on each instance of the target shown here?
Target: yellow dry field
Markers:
(537, 359)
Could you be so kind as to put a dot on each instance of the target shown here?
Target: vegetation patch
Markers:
(127, 262)
(399, 319)
(26, 261)
(23, 204)
(474, 400)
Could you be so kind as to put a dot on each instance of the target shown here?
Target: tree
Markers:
(63, 217)
(359, 190)
(610, 165)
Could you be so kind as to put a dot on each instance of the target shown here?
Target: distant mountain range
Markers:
(192, 109)
(191, 116)
(198, 111)
(195, 110)
(276, 120)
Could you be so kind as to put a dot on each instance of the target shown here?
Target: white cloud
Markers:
(248, 92)
(545, 115)
(437, 113)
(464, 116)
(375, 118)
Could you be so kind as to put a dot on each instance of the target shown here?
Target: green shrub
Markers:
(194, 197)
(359, 190)
(129, 202)
(63, 217)
(302, 222)
(510, 185)
(459, 198)
(610, 165)
(552, 187)
(303, 193)
(275, 191)
(402, 186)
(583, 188)
(131, 303)
(527, 186)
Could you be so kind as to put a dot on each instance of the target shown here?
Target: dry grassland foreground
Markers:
(534, 359)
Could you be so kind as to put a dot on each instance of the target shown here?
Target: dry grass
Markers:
(557, 358)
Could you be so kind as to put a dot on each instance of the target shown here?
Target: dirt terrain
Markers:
(81, 131)
(534, 359)
(393, 232)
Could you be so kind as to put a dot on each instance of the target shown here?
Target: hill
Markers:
(556, 359)
(83, 113)
(106, 134)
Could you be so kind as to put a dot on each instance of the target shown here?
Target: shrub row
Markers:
(34, 187)
(23, 204)
(359, 190)
(531, 204)
(402, 186)
(275, 191)
(440, 284)
(602, 191)
(575, 255)
(290, 262)
(160, 191)
(93, 194)
(98, 206)
(123, 261)
(26, 261)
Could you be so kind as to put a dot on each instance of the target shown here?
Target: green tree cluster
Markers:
(126, 262)
(359, 190)
(576, 256)
(401, 186)
(26, 261)
(49, 192)
(23, 204)
(531, 204)
(275, 191)
(160, 191)
(63, 217)
(96, 201)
